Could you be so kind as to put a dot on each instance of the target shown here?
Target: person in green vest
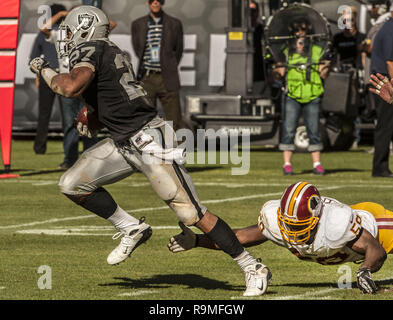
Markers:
(303, 74)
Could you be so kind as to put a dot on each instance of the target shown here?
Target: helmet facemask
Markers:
(296, 232)
(64, 44)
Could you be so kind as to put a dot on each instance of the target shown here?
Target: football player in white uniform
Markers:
(317, 229)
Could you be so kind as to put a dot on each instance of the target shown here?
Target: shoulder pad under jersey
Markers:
(337, 220)
(268, 215)
(85, 53)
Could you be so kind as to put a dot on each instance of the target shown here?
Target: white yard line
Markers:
(83, 230)
(137, 293)
(216, 182)
(134, 211)
(308, 295)
(30, 224)
(254, 196)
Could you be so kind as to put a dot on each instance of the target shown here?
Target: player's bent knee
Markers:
(69, 187)
(70, 184)
(187, 212)
(188, 216)
(66, 184)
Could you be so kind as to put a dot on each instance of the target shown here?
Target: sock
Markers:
(99, 202)
(122, 220)
(223, 236)
(287, 164)
(315, 164)
(245, 259)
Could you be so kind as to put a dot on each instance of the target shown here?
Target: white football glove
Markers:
(84, 130)
(37, 64)
(183, 241)
(365, 283)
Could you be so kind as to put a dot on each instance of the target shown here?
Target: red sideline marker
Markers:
(8, 175)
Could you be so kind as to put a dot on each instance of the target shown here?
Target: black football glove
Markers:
(183, 241)
(365, 283)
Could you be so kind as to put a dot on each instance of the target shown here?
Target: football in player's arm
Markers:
(302, 220)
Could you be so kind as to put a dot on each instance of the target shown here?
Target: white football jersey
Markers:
(338, 225)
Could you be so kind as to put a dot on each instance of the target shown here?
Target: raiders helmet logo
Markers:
(85, 20)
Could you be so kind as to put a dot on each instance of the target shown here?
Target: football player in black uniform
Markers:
(103, 77)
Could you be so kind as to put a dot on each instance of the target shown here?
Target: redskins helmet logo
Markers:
(85, 20)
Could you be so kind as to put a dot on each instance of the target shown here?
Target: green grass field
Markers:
(41, 227)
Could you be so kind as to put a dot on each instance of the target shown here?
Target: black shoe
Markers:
(64, 166)
(383, 175)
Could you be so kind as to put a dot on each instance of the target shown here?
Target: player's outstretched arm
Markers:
(187, 239)
(374, 257)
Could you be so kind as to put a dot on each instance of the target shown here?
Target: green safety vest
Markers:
(299, 88)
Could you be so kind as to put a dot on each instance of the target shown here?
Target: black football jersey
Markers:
(118, 99)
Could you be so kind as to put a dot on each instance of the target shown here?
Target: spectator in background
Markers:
(257, 26)
(304, 88)
(157, 39)
(348, 47)
(379, 15)
(95, 3)
(46, 97)
(274, 5)
(382, 62)
(377, 11)
(70, 107)
(348, 43)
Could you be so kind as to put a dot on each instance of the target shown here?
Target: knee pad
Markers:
(70, 184)
(102, 164)
(67, 185)
(187, 211)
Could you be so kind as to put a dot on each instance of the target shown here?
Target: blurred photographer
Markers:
(303, 78)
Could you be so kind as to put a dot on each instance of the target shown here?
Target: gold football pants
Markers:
(384, 220)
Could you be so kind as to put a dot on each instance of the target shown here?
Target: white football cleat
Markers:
(132, 238)
(257, 278)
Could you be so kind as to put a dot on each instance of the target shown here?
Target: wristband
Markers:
(47, 74)
(197, 240)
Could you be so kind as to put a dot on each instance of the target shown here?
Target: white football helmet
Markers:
(82, 24)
